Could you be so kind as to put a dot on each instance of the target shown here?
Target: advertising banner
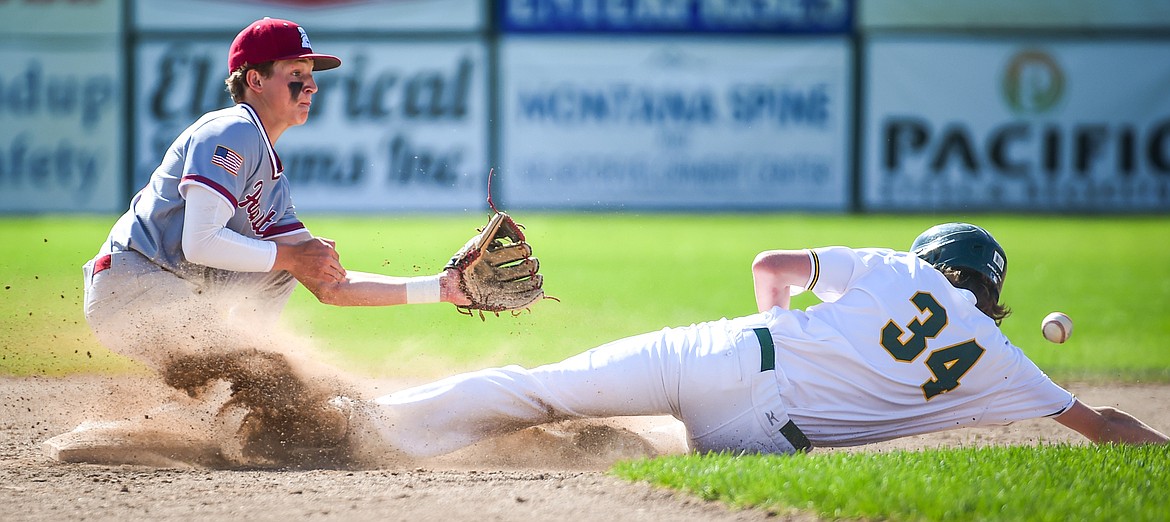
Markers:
(1117, 15)
(1003, 124)
(61, 138)
(399, 126)
(774, 16)
(317, 16)
(69, 18)
(61, 108)
(675, 123)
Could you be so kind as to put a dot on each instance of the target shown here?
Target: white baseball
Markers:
(1056, 327)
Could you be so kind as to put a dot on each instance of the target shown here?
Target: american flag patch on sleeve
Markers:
(227, 159)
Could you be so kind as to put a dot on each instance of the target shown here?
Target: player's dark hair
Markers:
(986, 292)
(237, 81)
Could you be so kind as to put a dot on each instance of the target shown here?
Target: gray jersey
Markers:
(228, 152)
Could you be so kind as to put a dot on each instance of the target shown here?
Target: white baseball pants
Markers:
(708, 376)
(146, 313)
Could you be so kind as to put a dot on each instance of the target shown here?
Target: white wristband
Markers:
(422, 289)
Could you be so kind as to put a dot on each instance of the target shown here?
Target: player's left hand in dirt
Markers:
(496, 269)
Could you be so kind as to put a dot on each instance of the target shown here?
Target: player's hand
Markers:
(449, 288)
(313, 260)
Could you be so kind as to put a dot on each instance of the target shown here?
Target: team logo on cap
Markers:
(305, 39)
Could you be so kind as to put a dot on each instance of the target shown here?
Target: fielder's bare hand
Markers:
(315, 260)
(449, 288)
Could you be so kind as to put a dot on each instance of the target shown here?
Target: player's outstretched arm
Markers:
(775, 272)
(1105, 424)
(314, 262)
(368, 289)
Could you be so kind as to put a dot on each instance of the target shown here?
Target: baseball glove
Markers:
(496, 269)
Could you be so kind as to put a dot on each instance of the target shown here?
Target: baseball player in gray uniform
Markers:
(903, 343)
(213, 240)
(211, 248)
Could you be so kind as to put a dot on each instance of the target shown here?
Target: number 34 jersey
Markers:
(894, 350)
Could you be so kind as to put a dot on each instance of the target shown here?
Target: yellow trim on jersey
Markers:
(816, 270)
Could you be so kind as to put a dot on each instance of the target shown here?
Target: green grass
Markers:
(1045, 483)
(618, 275)
(42, 328)
(622, 274)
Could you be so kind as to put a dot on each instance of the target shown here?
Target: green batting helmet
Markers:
(963, 245)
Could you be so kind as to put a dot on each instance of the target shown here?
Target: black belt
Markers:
(768, 362)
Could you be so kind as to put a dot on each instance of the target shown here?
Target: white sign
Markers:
(399, 126)
(1017, 14)
(675, 123)
(74, 18)
(315, 16)
(627, 16)
(996, 124)
(61, 134)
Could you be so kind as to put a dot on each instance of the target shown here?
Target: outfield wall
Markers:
(675, 123)
(1003, 123)
(62, 106)
(708, 105)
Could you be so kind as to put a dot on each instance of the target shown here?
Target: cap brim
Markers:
(321, 62)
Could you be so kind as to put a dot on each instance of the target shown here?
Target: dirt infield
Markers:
(523, 478)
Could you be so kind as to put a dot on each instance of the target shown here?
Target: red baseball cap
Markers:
(271, 39)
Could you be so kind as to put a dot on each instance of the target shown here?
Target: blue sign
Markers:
(676, 16)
